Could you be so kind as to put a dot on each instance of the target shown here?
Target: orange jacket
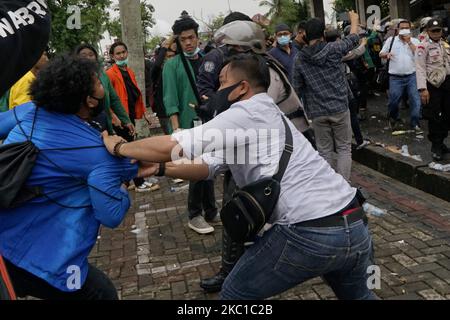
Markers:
(118, 84)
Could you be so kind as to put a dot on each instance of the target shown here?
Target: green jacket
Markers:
(112, 102)
(178, 93)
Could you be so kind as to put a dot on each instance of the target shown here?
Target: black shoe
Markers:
(215, 283)
(437, 153)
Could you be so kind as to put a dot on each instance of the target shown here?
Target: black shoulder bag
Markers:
(251, 207)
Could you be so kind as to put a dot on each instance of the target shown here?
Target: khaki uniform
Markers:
(432, 56)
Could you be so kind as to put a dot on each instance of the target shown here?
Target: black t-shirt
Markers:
(21, 49)
(132, 92)
(196, 65)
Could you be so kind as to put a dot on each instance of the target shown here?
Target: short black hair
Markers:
(117, 44)
(301, 25)
(236, 16)
(314, 29)
(331, 35)
(404, 21)
(83, 46)
(64, 84)
(253, 68)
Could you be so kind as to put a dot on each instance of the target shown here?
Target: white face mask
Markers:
(405, 32)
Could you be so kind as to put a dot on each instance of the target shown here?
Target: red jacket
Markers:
(115, 76)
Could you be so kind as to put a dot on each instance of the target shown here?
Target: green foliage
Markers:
(210, 26)
(114, 26)
(153, 43)
(341, 6)
(94, 16)
(285, 11)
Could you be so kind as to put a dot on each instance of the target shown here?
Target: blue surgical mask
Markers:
(284, 40)
(122, 63)
(192, 55)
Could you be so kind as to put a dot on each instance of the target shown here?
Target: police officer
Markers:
(233, 38)
(433, 83)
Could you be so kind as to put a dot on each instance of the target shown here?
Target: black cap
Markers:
(282, 27)
(434, 24)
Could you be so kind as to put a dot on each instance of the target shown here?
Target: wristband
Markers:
(162, 170)
(117, 149)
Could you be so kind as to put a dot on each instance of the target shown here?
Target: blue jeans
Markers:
(397, 87)
(287, 256)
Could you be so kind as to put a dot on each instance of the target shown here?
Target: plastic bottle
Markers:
(374, 211)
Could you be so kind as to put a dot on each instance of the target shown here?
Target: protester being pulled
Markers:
(46, 240)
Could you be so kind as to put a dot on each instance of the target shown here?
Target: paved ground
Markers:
(153, 255)
(376, 129)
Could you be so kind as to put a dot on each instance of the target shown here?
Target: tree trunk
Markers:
(130, 16)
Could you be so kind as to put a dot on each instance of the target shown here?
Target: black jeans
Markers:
(125, 133)
(438, 112)
(97, 286)
(353, 106)
(202, 198)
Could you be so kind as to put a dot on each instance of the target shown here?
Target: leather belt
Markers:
(352, 213)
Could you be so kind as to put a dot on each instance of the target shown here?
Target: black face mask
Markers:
(95, 112)
(222, 101)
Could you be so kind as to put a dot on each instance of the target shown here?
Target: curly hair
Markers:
(64, 84)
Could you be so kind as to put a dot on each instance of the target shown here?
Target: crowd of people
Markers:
(76, 120)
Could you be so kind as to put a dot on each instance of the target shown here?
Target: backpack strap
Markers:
(279, 69)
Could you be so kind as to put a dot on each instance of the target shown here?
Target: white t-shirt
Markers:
(404, 60)
(310, 188)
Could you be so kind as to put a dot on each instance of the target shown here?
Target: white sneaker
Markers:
(144, 188)
(177, 181)
(363, 145)
(199, 225)
(152, 186)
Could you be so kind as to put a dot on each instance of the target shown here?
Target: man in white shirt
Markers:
(318, 227)
(402, 75)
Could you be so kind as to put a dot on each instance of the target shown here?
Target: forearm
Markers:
(175, 122)
(192, 172)
(154, 149)
(354, 27)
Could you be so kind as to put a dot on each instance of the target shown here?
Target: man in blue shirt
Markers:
(284, 52)
(46, 241)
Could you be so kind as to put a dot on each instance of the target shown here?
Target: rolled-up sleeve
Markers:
(212, 136)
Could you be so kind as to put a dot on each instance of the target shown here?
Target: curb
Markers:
(409, 171)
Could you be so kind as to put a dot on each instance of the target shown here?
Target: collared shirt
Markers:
(310, 189)
(403, 62)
